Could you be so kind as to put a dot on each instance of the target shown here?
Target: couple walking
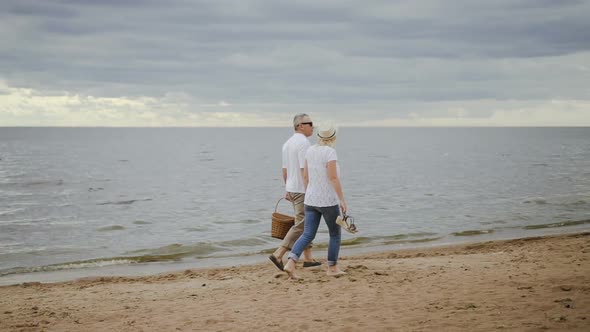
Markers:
(312, 184)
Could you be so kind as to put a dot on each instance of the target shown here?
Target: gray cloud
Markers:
(313, 52)
(37, 9)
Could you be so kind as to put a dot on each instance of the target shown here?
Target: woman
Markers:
(323, 197)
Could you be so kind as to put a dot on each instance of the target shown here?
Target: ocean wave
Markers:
(7, 179)
(21, 250)
(62, 205)
(11, 212)
(31, 183)
(177, 251)
(241, 221)
(246, 242)
(93, 263)
(473, 232)
(7, 193)
(141, 222)
(64, 221)
(251, 221)
(539, 201)
(196, 229)
(568, 200)
(493, 222)
(8, 242)
(26, 221)
(227, 248)
(386, 240)
(558, 224)
(111, 228)
(170, 253)
(125, 202)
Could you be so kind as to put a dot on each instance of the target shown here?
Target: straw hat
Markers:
(327, 132)
(327, 135)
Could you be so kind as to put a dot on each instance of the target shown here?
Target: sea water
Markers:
(92, 201)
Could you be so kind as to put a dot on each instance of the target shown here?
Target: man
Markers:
(293, 164)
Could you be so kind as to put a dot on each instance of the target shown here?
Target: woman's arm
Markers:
(333, 176)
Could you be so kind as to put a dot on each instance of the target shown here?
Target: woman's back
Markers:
(320, 191)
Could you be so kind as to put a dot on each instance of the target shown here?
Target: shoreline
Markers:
(152, 268)
(533, 283)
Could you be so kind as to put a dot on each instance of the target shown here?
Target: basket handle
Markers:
(277, 205)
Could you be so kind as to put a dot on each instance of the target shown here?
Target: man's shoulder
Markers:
(297, 140)
(289, 141)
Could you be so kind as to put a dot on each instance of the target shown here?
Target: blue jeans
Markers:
(313, 216)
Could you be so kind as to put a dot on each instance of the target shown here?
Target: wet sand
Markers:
(531, 284)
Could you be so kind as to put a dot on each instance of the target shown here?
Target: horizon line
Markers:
(343, 126)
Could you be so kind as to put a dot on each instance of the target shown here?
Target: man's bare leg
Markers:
(307, 255)
(280, 252)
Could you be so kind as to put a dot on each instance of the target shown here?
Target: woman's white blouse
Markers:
(320, 191)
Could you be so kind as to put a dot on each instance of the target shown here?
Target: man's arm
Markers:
(285, 180)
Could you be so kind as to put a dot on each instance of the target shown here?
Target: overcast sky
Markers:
(258, 63)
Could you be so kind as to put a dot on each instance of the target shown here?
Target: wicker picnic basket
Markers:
(281, 223)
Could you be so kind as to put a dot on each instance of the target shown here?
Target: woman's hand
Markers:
(343, 206)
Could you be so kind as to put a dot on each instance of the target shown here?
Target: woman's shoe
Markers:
(347, 223)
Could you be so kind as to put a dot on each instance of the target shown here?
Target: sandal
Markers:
(347, 222)
(311, 264)
(276, 262)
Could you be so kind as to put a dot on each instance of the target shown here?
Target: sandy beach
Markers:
(531, 284)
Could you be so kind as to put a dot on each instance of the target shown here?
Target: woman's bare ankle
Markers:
(334, 269)
(290, 269)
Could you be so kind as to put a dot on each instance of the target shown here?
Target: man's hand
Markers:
(287, 196)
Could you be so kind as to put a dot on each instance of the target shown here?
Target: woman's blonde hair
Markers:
(327, 141)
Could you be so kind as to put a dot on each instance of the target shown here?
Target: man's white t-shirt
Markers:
(294, 151)
(320, 191)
